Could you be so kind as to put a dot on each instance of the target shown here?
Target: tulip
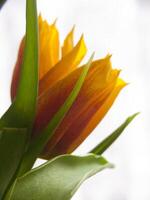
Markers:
(57, 77)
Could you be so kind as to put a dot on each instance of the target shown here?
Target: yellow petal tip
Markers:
(82, 42)
(121, 83)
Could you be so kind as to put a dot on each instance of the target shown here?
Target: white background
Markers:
(122, 28)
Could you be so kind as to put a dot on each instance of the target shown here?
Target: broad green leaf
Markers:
(22, 111)
(39, 143)
(58, 179)
(107, 142)
(12, 143)
(2, 3)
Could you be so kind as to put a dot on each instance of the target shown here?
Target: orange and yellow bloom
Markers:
(57, 77)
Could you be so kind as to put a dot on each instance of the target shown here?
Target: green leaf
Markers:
(2, 3)
(107, 142)
(58, 179)
(39, 143)
(22, 111)
(12, 143)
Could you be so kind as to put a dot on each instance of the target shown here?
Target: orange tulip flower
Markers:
(57, 77)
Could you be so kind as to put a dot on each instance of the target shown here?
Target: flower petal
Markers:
(49, 46)
(68, 43)
(73, 137)
(55, 96)
(64, 67)
(98, 85)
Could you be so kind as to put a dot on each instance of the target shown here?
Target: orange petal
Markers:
(50, 101)
(74, 130)
(64, 67)
(54, 97)
(75, 136)
(96, 89)
(84, 125)
(49, 46)
(68, 43)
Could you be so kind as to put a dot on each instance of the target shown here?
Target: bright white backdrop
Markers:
(123, 29)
